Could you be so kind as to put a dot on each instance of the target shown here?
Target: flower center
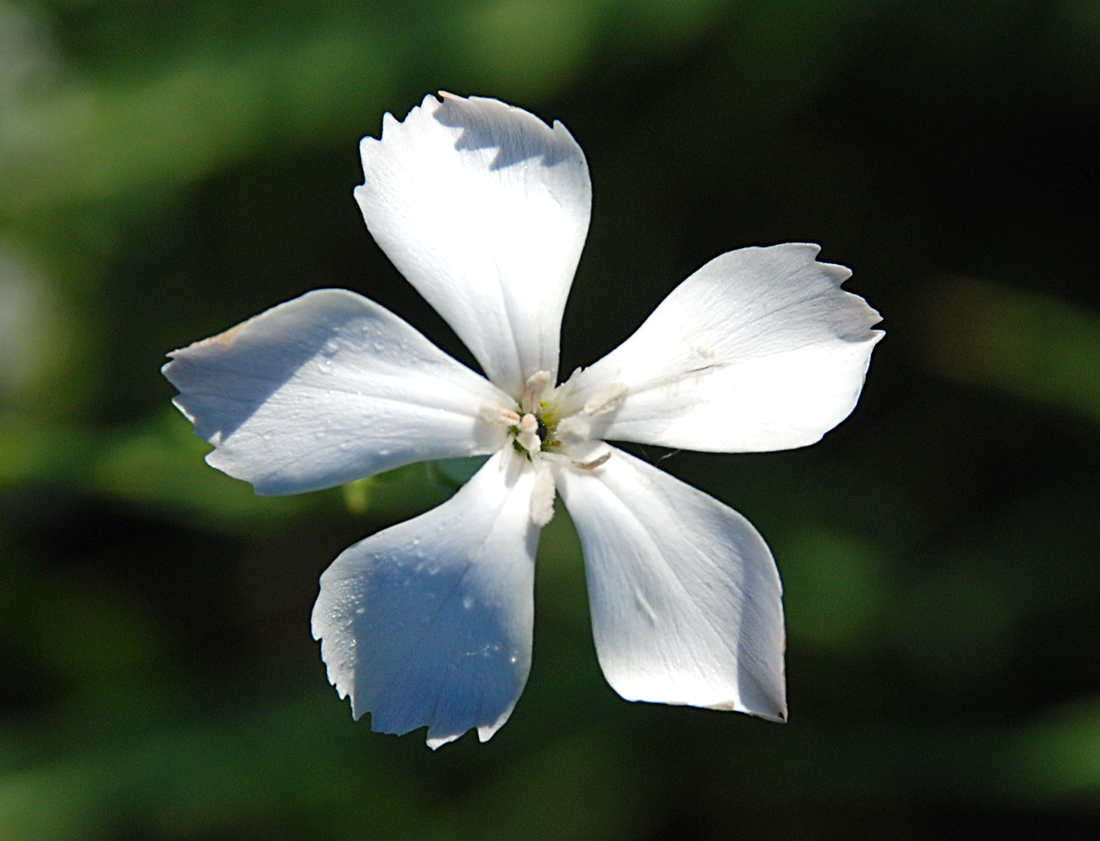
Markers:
(541, 425)
(535, 431)
(533, 434)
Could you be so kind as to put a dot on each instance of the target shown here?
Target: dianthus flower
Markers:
(484, 209)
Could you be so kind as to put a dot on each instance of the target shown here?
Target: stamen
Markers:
(498, 415)
(592, 465)
(532, 392)
(542, 498)
(605, 400)
(528, 436)
(573, 428)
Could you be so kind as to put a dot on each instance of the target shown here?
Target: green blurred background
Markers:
(170, 168)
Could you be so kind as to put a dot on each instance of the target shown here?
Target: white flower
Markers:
(485, 208)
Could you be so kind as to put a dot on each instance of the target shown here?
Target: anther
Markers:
(532, 391)
(528, 436)
(594, 463)
(498, 415)
(607, 399)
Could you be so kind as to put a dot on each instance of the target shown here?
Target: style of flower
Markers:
(484, 209)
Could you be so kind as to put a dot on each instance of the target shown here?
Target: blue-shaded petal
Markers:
(429, 623)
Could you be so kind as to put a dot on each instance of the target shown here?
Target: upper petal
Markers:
(328, 388)
(429, 622)
(758, 350)
(685, 597)
(484, 208)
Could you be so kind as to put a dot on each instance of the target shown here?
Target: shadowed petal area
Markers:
(328, 388)
(429, 622)
(758, 350)
(685, 597)
(484, 208)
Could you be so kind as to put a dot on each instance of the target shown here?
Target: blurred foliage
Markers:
(168, 169)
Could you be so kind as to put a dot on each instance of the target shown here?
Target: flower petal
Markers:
(484, 208)
(328, 388)
(758, 350)
(685, 597)
(429, 622)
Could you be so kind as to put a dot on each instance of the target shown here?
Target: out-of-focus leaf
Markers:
(91, 140)
(1033, 346)
(836, 586)
(258, 769)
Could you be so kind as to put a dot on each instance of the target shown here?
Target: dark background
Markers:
(170, 168)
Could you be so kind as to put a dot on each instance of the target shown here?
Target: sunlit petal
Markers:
(758, 350)
(328, 388)
(685, 597)
(484, 208)
(429, 622)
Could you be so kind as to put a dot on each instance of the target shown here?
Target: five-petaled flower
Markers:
(484, 209)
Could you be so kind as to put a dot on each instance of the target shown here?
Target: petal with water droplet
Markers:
(328, 388)
(429, 622)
